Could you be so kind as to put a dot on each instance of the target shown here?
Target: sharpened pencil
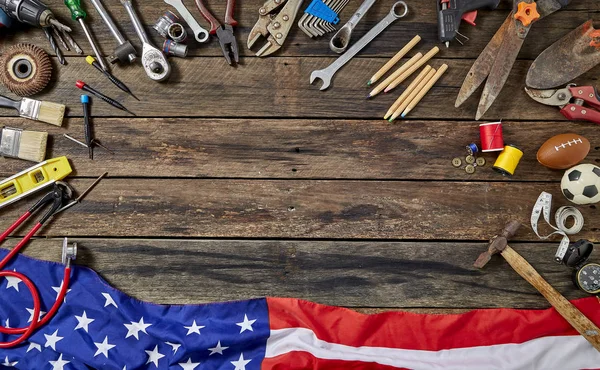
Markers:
(412, 69)
(412, 95)
(407, 92)
(395, 59)
(425, 89)
(379, 88)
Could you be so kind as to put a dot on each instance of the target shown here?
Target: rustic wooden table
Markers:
(242, 182)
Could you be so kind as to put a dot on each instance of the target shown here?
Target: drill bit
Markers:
(58, 36)
(57, 51)
(83, 86)
(91, 60)
(73, 43)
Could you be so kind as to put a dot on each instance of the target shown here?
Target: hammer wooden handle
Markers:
(579, 321)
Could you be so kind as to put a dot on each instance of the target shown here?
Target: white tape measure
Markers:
(543, 205)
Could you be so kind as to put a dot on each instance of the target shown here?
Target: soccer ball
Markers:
(581, 184)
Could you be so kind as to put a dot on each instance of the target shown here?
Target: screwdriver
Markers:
(78, 14)
(83, 86)
(87, 125)
(91, 60)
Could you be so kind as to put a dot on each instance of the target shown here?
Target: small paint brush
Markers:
(37, 110)
(26, 145)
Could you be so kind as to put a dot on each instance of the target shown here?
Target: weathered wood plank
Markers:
(279, 87)
(295, 149)
(360, 274)
(421, 20)
(302, 209)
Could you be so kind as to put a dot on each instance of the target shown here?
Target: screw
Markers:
(286, 18)
(562, 96)
(583, 111)
(580, 91)
(262, 11)
(276, 25)
(572, 109)
(279, 35)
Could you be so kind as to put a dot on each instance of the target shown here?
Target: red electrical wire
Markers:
(35, 322)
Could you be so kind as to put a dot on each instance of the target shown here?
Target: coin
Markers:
(470, 159)
(470, 169)
(456, 162)
(480, 161)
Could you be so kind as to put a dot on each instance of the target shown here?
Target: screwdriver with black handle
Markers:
(118, 83)
(79, 15)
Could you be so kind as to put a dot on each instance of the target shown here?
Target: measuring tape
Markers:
(543, 206)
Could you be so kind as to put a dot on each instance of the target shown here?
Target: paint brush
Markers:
(37, 110)
(26, 145)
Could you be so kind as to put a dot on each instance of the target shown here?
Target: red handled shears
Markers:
(577, 103)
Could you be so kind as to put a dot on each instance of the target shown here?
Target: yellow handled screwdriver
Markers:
(78, 14)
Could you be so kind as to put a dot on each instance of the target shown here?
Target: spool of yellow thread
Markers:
(508, 160)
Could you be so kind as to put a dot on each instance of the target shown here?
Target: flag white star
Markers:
(241, 363)
(246, 324)
(83, 321)
(193, 329)
(103, 347)
(109, 300)
(12, 364)
(154, 356)
(58, 288)
(34, 346)
(218, 349)
(59, 364)
(7, 324)
(12, 282)
(51, 340)
(135, 327)
(189, 365)
(175, 346)
(30, 310)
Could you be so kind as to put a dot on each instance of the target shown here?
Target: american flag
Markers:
(100, 327)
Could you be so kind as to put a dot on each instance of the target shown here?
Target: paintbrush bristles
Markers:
(33, 146)
(52, 113)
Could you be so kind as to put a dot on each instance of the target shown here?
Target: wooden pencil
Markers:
(392, 62)
(407, 92)
(412, 95)
(379, 88)
(412, 69)
(425, 89)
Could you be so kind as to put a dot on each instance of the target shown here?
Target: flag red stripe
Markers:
(424, 331)
(304, 360)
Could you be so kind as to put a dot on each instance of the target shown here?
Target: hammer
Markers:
(499, 244)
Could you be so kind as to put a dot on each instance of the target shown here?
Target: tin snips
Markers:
(571, 100)
(275, 18)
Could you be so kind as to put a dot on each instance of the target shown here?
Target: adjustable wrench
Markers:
(326, 75)
(154, 61)
(200, 33)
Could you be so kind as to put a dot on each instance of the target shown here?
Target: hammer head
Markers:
(498, 243)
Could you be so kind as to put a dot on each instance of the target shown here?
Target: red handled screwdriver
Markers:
(83, 86)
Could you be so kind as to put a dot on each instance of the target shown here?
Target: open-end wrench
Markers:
(326, 75)
(154, 61)
(200, 33)
(339, 42)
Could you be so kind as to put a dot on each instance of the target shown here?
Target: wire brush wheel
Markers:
(25, 69)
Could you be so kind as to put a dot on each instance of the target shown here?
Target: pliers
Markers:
(224, 32)
(274, 24)
(571, 100)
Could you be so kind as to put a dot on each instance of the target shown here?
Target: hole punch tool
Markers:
(275, 19)
(200, 33)
(497, 59)
(326, 75)
(224, 31)
(571, 100)
(60, 195)
(154, 61)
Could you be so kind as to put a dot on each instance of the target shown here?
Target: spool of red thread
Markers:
(491, 137)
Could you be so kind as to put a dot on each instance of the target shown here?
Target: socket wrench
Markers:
(326, 75)
(154, 61)
(339, 42)
(125, 51)
(200, 34)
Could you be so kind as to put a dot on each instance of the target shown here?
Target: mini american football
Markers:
(563, 151)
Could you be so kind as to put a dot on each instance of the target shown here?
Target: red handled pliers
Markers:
(571, 100)
(60, 196)
(224, 31)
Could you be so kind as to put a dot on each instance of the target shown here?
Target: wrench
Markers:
(154, 61)
(326, 75)
(200, 33)
(124, 45)
(339, 42)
